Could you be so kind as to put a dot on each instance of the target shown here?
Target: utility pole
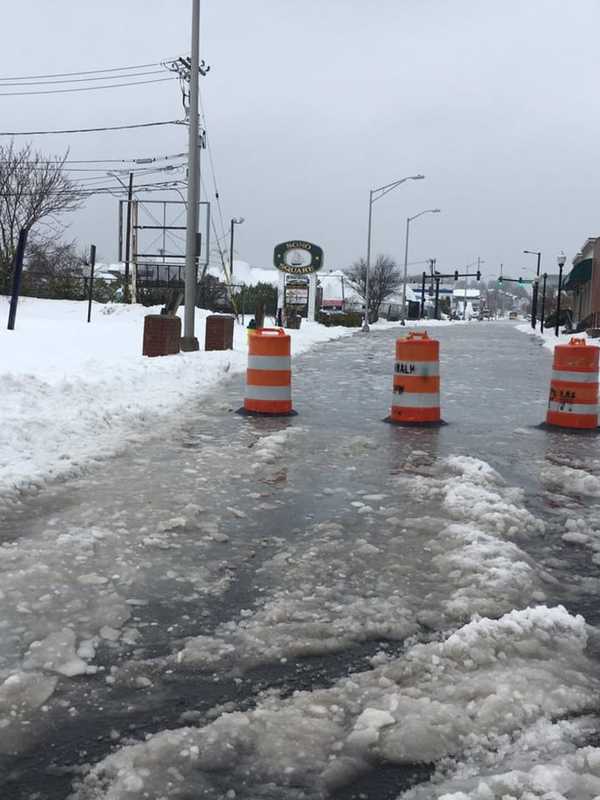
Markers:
(189, 341)
(126, 292)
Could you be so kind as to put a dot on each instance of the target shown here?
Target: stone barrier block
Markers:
(162, 335)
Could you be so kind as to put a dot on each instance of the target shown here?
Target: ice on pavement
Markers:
(571, 481)
(465, 696)
(73, 587)
(325, 593)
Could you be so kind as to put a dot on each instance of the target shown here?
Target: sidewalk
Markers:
(73, 393)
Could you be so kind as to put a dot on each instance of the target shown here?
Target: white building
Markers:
(466, 303)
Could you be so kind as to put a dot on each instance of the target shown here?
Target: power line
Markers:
(43, 166)
(82, 72)
(86, 88)
(83, 80)
(114, 190)
(134, 160)
(96, 130)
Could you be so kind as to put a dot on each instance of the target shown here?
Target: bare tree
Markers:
(384, 280)
(34, 190)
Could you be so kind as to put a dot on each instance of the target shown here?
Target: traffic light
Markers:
(520, 280)
(455, 274)
(500, 279)
(478, 275)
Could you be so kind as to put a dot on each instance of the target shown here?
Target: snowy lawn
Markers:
(73, 392)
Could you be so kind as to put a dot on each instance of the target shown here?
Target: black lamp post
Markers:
(543, 303)
(534, 295)
(560, 259)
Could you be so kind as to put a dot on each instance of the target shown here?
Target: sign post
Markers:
(297, 259)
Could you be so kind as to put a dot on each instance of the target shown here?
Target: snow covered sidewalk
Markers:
(73, 392)
(548, 337)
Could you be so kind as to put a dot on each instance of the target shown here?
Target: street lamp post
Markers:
(536, 283)
(377, 194)
(560, 260)
(543, 303)
(234, 221)
(408, 221)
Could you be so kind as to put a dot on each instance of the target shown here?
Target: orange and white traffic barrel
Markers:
(269, 373)
(573, 401)
(416, 395)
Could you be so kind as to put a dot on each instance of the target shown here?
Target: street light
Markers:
(408, 221)
(560, 260)
(534, 295)
(234, 221)
(377, 194)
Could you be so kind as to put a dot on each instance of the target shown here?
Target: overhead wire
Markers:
(83, 72)
(135, 160)
(86, 88)
(154, 186)
(4, 85)
(96, 130)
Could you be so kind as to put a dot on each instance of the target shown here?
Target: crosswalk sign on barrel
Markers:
(416, 388)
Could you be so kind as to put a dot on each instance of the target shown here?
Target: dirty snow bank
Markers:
(73, 392)
(487, 683)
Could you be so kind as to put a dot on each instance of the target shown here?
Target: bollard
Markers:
(416, 397)
(573, 401)
(269, 375)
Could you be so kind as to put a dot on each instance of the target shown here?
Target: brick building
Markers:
(583, 284)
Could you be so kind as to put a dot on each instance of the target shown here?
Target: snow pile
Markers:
(548, 761)
(488, 682)
(73, 392)
(567, 480)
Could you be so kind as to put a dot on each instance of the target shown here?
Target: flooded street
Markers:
(316, 606)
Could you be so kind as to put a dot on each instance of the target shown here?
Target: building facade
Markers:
(583, 284)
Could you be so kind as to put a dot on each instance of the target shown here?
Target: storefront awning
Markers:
(581, 273)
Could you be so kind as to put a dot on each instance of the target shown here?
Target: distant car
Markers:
(513, 315)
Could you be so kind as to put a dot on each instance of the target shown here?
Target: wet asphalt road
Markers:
(494, 390)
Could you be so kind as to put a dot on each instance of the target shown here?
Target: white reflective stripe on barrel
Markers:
(254, 392)
(573, 408)
(417, 369)
(575, 377)
(416, 399)
(270, 362)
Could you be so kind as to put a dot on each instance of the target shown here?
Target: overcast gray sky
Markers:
(310, 103)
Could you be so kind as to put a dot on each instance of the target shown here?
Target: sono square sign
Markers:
(298, 258)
